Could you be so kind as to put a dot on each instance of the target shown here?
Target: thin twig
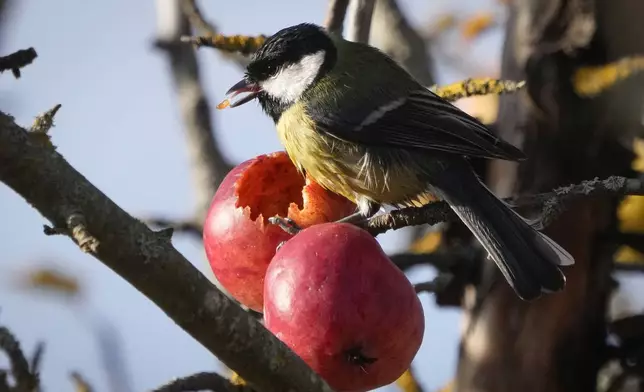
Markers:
(205, 381)
(25, 380)
(238, 45)
(360, 13)
(336, 11)
(149, 262)
(633, 240)
(435, 285)
(629, 267)
(550, 203)
(196, 18)
(441, 261)
(36, 358)
(189, 227)
(80, 383)
(17, 60)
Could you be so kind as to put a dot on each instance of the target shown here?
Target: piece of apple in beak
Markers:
(247, 90)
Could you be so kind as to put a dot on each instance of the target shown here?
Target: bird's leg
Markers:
(286, 224)
(366, 209)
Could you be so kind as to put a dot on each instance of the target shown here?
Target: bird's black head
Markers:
(285, 66)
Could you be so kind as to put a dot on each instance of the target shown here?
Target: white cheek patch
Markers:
(291, 81)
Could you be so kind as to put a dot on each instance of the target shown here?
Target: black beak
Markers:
(243, 86)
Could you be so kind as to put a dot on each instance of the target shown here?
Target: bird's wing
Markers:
(420, 120)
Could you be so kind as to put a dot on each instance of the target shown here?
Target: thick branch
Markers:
(334, 21)
(149, 262)
(551, 204)
(17, 60)
(207, 163)
(205, 381)
(360, 13)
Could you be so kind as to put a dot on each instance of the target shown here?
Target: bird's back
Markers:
(347, 168)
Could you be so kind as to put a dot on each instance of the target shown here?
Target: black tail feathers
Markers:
(528, 259)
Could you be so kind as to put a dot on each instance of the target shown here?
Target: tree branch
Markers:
(629, 267)
(551, 204)
(17, 60)
(392, 33)
(334, 20)
(149, 262)
(439, 260)
(207, 163)
(80, 383)
(360, 13)
(190, 227)
(24, 378)
(435, 285)
(196, 17)
(633, 240)
(205, 381)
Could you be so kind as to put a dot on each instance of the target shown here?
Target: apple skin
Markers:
(238, 240)
(334, 297)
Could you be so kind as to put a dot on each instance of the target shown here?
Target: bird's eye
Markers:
(271, 68)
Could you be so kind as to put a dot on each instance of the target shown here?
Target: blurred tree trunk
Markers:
(557, 343)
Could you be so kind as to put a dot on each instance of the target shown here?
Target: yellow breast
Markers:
(384, 175)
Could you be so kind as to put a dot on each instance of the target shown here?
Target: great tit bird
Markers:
(362, 127)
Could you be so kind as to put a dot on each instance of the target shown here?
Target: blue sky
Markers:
(119, 125)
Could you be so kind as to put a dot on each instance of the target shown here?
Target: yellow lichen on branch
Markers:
(242, 44)
(407, 382)
(39, 131)
(236, 379)
(472, 87)
(476, 25)
(448, 387)
(52, 280)
(631, 213)
(590, 81)
(442, 24)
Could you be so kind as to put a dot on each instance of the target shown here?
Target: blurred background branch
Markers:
(25, 378)
(392, 33)
(17, 60)
(208, 165)
(359, 20)
(336, 12)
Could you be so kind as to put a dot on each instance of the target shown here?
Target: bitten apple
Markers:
(238, 239)
(334, 297)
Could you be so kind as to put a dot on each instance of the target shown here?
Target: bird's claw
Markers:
(279, 246)
(286, 224)
(355, 219)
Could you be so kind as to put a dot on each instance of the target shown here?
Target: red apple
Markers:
(238, 239)
(334, 297)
